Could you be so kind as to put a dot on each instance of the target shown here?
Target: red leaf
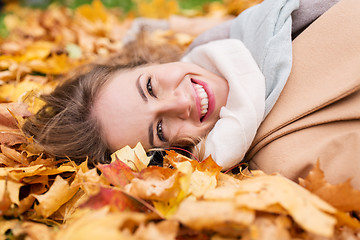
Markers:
(117, 173)
(8, 111)
(114, 198)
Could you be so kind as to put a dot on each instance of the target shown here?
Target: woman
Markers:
(175, 104)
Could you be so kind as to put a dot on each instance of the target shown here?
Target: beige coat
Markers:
(317, 116)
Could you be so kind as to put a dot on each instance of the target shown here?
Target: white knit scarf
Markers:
(233, 133)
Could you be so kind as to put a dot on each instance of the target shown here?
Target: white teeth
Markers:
(204, 99)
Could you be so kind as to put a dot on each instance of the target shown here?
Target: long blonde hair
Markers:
(65, 126)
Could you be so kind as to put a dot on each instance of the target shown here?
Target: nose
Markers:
(177, 105)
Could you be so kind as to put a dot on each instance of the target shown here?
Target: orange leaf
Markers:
(342, 196)
(209, 165)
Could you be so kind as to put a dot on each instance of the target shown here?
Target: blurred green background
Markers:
(125, 5)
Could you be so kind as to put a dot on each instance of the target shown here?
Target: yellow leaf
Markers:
(56, 64)
(38, 50)
(156, 8)
(16, 91)
(59, 193)
(135, 158)
(94, 12)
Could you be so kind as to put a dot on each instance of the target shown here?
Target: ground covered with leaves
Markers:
(46, 198)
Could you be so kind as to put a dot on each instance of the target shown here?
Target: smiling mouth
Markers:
(204, 100)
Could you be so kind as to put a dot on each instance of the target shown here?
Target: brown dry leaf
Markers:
(37, 231)
(100, 224)
(342, 196)
(6, 225)
(7, 162)
(11, 137)
(11, 114)
(155, 183)
(269, 228)
(36, 179)
(5, 201)
(19, 173)
(88, 179)
(213, 215)
(164, 230)
(13, 188)
(58, 194)
(309, 211)
(71, 209)
(14, 155)
(25, 204)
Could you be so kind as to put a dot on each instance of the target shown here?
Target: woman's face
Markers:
(157, 104)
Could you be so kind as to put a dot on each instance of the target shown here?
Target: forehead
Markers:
(121, 111)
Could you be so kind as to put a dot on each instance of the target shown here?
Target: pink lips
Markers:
(211, 97)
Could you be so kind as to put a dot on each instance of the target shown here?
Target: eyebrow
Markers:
(143, 96)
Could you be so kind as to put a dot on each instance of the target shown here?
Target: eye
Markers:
(150, 88)
(159, 131)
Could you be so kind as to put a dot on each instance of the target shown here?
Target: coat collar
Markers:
(326, 68)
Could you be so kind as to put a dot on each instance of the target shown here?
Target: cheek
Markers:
(183, 131)
(171, 75)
